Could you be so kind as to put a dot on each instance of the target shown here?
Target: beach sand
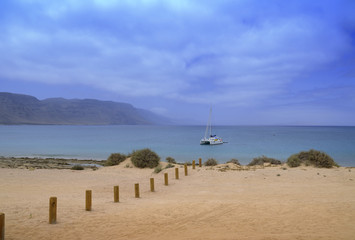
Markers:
(270, 203)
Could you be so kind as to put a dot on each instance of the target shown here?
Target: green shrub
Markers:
(321, 159)
(145, 158)
(77, 167)
(128, 166)
(158, 169)
(115, 159)
(170, 160)
(294, 161)
(234, 160)
(170, 165)
(313, 158)
(211, 162)
(256, 161)
(263, 159)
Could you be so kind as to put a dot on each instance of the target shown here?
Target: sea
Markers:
(180, 142)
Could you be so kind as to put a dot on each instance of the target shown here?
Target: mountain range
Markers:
(25, 109)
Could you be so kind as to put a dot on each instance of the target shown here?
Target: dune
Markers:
(210, 203)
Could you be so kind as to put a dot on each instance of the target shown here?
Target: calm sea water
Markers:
(179, 142)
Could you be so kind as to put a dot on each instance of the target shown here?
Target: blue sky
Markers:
(256, 61)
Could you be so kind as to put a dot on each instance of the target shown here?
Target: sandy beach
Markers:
(210, 203)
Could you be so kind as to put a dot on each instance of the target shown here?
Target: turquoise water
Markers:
(179, 142)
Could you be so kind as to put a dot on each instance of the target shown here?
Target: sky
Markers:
(256, 62)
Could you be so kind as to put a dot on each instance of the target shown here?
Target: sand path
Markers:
(270, 203)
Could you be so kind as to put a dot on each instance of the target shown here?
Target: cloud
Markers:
(236, 52)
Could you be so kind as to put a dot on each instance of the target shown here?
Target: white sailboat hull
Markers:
(211, 141)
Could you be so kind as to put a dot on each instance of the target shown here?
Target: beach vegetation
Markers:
(294, 161)
(234, 161)
(170, 165)
(263, 159)
(311, 158)
(128, 165)
(145, 158)
(158, 169)
(77, 167)
(171, 160)
(115, 159)
(211, 162)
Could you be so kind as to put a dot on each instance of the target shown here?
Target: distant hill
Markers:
(24, 109)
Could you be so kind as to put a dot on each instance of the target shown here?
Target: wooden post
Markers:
(116, 194)
(166, 179)
(200, 162)
(88, 200)
(52, 210)
(193, 164)
(152, 184)
(136, 190)
(2, 226)
(185, 166)
(176, 173)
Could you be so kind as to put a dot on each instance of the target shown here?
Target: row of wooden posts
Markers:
(88, 196)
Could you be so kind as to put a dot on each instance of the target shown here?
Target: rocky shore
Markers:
(47, 163)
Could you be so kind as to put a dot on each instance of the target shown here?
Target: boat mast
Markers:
(208, 127)
(210, 120)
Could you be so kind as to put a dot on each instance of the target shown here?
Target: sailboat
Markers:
(210, 139)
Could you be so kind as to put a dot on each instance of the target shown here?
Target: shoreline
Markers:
(48, 163)
(32, 163)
